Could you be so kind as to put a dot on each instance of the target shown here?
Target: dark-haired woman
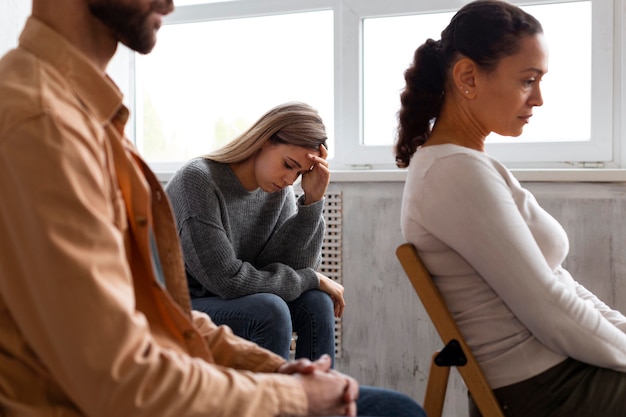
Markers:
(548, 346)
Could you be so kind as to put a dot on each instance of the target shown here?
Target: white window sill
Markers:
(523, 175)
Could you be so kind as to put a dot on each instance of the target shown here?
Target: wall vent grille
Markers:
(331, 251)
(331, 264)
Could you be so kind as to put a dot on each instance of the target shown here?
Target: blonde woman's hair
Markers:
(292, 123)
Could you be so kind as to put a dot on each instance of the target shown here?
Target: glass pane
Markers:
(206, 82)
(566, 88)
(389, 44)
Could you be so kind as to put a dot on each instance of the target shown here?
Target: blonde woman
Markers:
(251, 249)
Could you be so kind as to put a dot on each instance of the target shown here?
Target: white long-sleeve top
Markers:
(496, 257)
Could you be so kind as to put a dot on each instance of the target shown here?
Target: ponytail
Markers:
(421, 100)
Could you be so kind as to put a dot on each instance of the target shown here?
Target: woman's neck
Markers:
(244, 171)
(453, 126)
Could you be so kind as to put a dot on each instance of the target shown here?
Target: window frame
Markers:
(603, 151)
(598, 152)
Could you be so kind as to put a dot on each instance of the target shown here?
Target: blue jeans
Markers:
(269, 321)
(381, 402)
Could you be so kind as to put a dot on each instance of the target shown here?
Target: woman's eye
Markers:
(288, 166)
(530, 82)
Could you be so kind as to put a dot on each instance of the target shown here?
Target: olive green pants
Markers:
(569, 389)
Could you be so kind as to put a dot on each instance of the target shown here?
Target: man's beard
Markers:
(129, 24)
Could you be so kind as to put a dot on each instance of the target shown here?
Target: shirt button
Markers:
(141, 220)
(189, 334)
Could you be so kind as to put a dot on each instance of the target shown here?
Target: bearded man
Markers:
(95, 318)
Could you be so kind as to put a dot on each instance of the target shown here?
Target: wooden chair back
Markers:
(455, 351)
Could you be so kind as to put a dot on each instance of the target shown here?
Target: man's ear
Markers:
(464, 77)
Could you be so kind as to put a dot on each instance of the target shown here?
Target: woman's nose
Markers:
(290, 178)
(536, 99)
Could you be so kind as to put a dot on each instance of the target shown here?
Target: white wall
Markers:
(13, 14)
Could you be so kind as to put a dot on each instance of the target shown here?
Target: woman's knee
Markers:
(317, 303)
(272, 310)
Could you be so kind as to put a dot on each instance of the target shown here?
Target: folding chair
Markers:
(455, 353)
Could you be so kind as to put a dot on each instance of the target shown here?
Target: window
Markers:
(219, 65)
(206, 82)
(573, 126)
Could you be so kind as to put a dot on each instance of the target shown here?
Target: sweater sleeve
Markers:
(210, 257)
(469, 206)
(614, 316)
(297, 240)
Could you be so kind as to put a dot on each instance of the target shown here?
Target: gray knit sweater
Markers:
(237, 242)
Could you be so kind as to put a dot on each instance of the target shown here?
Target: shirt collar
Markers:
(93, 87)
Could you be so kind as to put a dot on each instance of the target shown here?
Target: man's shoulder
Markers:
(19, 84)
(29, 88)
